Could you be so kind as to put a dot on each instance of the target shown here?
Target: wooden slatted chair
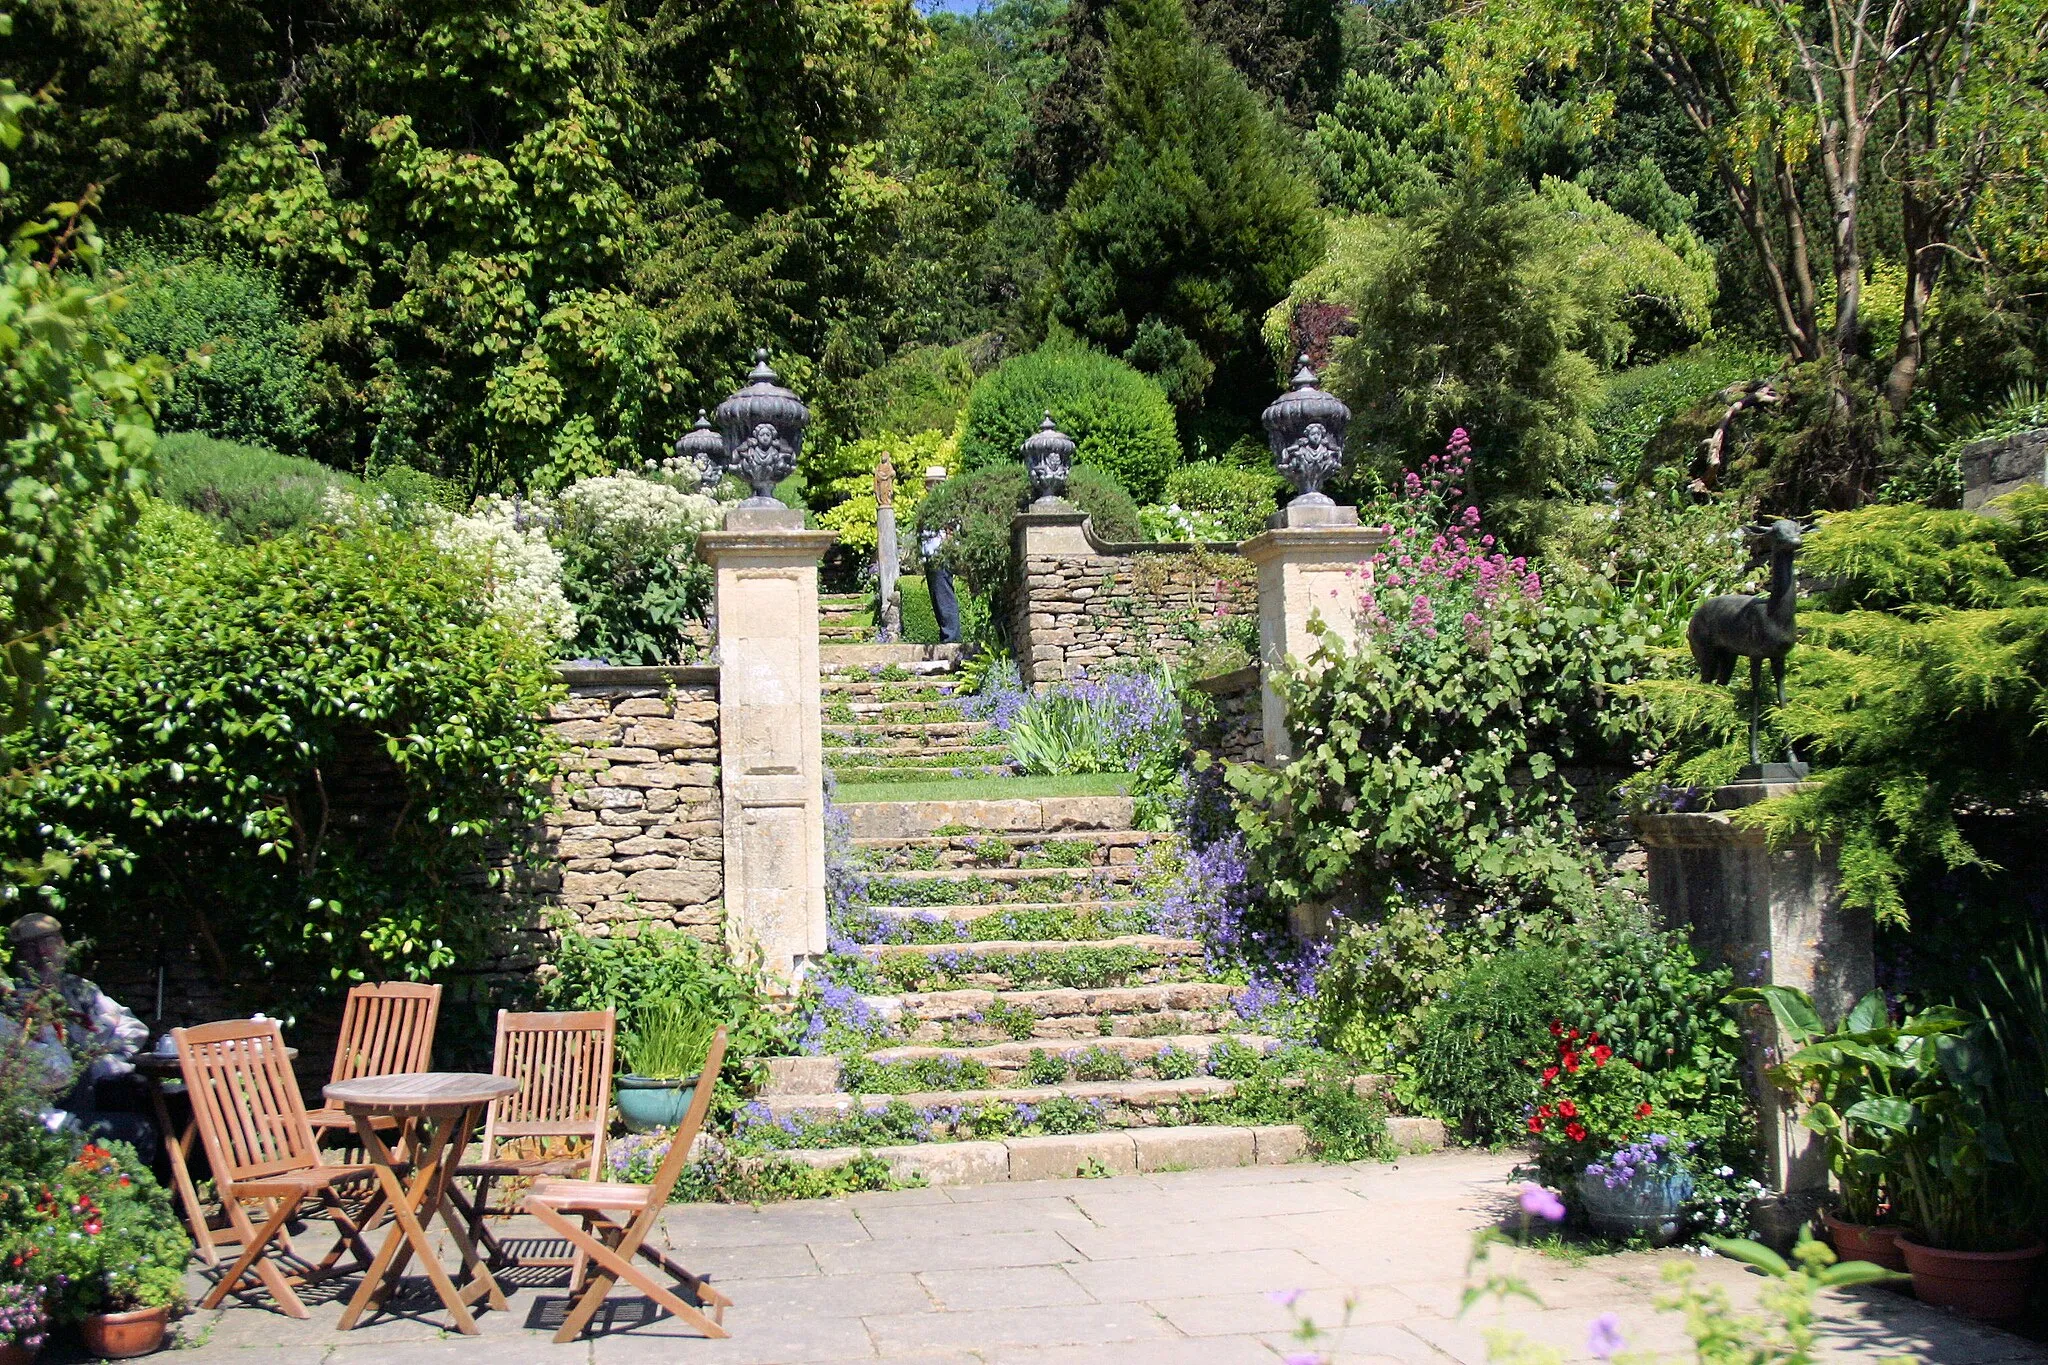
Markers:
(253, 1124)
(387, 1029)
(609, 1222)
(563, 1063)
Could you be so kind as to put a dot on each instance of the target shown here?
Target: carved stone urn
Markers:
(703, 451)
(1305, 427)
(763, 426)
(1049, 456)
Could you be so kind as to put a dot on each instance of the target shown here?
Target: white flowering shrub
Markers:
(628, 547)
(526, 572)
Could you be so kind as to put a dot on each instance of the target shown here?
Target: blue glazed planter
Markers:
(1649, 1206)
(646, 1104)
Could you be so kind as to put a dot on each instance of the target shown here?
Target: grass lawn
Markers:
(985, 788)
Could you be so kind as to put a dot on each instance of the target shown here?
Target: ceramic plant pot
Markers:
(119, 1336)
(1651, 1206)
(1865, 1242)
(1991, 1285)
(646, 1104)
(14, 1354)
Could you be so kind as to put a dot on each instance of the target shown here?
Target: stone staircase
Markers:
(846, 618)
(891, 715)
(1001, 999)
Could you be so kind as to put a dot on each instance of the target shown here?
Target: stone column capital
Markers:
(1061, 532)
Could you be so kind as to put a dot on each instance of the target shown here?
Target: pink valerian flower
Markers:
(1422, 615)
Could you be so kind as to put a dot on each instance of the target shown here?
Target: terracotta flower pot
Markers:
(117, 1336)
(1991, 1285)
(1865, 1242)
(13, 1353)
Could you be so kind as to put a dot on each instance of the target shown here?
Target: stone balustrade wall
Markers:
(638, 835)
(1081, 605)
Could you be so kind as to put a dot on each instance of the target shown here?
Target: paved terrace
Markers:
(1164, 1269)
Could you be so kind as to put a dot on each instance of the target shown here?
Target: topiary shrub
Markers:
(1120, 420)
(978, 507)
(1238, 499)
(250, 492)
(256, 385)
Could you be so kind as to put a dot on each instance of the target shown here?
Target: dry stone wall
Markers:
(2002, 465)
(638, 834)
(1077, 613)
(1236, 728)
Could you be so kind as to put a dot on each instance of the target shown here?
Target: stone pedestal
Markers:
(1309, 568)
(1050, 531)
(772, 755)
(1775, 917)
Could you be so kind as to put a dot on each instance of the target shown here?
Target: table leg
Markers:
(481, 1282)
(407, 1236)
(176, 1146)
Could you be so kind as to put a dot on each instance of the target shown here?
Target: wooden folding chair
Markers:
(387, 1029)
(253, 1124)
(614, 1245)
(563, 1063)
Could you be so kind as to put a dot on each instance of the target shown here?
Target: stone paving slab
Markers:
(1172, 1268)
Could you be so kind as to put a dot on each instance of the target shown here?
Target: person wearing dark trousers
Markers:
(939, 579)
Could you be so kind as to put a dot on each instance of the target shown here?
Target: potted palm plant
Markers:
(662, 1053)
(1846, 1076)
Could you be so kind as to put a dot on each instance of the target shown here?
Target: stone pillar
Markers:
(771, 745)
(1775, 917)
(888, 559)
(1048, 534)
(1310, 567)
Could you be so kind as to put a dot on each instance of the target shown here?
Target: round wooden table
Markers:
(440, 1109)
(158, 1069)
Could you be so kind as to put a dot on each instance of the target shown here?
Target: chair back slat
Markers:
(251, 1117)
(387, 1029)
(671, 1170)
(563, 1063)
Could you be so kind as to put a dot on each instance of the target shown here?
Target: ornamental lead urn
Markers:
(1049, 456)
(1306, 429)
(763, 426)
(702, 452)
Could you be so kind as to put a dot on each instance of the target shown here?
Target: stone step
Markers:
(1097, 847)
(891, 747)
(1067, 1002)
(967, 914)
(1131, 1100)
(834, 614)
(1127, 1151)
(916, 658)
(1161, 944)
(1008, 1062)
(1021, 964)
(857, 690)
(905, 735)
(1072, 1031)
(1032, 815)
(861, 772)
(913, 710)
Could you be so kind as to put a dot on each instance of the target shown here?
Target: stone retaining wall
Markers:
(1237, 729)
(1081, 604)
(638, 836)
(2003, 465)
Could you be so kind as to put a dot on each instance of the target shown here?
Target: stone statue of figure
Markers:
(1739, 625)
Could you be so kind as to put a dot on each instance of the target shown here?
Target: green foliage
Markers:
(1239, 500)
(1380, 145)
(1923, 690)
(844, 486)
(1491, 308)
(225, 319)
(669, 1040)
(1098, 1063)
(666, 968)
(919, 390)
(721, 1178)
(227, 726)
(1045, 1068)
(1172, 1063)
(1343, 1125)
(1470, 1062)
(1191, 223)
(76, 423)
(1639, 405)
(251, 492)
(1120, 420)
(114, 1243)
(977, 510)
(629, 565)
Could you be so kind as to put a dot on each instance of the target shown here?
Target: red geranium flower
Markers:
(1643, 1110)
(1601, 1054)
(1575, 1131)
(1535, 1123)
(1549, 1074)
(1556, 1029)
(1571, 1062)
(1544, 1111)
(1575, 1035)
(1568, 1109)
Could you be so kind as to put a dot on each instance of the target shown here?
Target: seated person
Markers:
(83, 1023)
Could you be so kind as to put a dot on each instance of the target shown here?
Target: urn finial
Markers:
(701, 452)
(1306, 427)
(763, 428)
(1049, 456)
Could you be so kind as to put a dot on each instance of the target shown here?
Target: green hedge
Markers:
(983, 502)
(251, 492)
(1120, 420)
